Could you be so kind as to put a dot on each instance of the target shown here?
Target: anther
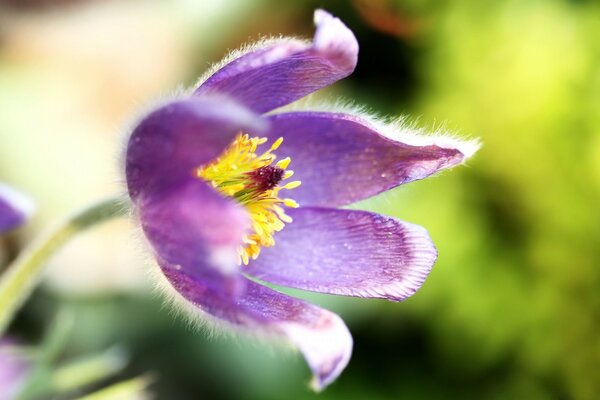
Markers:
(292, 185)
(284, 163)
(276, 144)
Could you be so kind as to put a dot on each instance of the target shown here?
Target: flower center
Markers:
(253, 181)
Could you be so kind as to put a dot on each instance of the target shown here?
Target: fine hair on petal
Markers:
(399, 128)
(260, 44)
(142, 111)
(213, 327)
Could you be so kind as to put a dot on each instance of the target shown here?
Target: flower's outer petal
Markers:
(173, 140)
(186, 221)
(341, 158)
(320, 335)
(347, 252)
(279, 73)
(194, 228)
(15, 208)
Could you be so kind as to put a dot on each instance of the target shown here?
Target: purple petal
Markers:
(169, 143)
(15, 208)
(186, 221)
(15, 366)
(276, 74)
(320, 335)
(342, 158)
(194, 228)
(347, 252)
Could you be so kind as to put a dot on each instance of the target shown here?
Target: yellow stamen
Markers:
(290, 203)
(252, 180)
(292, 185)
(276, 144)
(284, 163)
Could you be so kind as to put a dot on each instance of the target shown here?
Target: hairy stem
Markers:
(23, 274)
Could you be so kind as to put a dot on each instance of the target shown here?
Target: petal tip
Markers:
(422, 254)
(326, 346)
(402, 130)
(18, 200)
(468, 147)
(15, 207)
(335, 39)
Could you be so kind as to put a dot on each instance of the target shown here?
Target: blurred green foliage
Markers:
(511, 309)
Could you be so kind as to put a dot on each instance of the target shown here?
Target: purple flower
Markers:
(210, 202)
(15, 366)
(15, 208)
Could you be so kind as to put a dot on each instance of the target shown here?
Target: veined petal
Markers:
(320, 335)
(356, 253)
(15, 208)
(342, 158)
(173, 140)
(273, 74)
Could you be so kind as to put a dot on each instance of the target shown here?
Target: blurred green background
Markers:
(512, 307)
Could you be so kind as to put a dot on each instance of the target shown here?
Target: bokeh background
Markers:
(512, 307)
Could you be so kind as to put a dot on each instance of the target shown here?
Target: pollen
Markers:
(254, 181)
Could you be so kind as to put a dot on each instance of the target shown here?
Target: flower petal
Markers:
(194, 228)
(166, 146)
(320, 335)
(274, 74)
(15, 366)
(341, 158)
(187, 222)
(15, 208)
(347, 252)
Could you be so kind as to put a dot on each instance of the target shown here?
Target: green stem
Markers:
(130, 389)
(23, 274)
(88, 370)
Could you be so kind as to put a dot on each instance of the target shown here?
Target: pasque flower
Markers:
(15, 208)
(210, 178)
